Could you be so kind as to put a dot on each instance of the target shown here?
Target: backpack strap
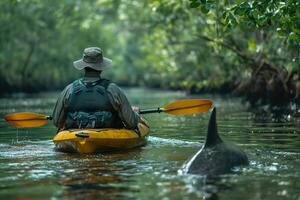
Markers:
(104, 82)
(77, 86)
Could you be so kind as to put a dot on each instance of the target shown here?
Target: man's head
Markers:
(93, 58)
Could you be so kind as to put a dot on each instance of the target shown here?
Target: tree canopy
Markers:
(196, 45)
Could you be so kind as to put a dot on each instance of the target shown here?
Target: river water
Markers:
(31, 169)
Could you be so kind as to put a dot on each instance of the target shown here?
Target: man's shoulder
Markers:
(114, 88)
(67, 90)
(113, 85)
(70, 85)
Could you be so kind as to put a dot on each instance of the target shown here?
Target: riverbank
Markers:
(258, 91)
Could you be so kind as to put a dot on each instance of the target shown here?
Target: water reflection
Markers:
(208, 187)
(89, 176)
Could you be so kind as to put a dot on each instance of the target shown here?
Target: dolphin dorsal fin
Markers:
(212, 136)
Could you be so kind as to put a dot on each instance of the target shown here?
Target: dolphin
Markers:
(216, 157)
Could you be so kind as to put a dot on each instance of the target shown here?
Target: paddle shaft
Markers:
(146, 111)
(155, 110)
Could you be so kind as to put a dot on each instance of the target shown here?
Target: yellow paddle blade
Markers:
(26, 119)
(189, 106)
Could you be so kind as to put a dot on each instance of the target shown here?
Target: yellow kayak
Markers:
(100, 140)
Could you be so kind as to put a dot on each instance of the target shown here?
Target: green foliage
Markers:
(283, 16)
(194, 45)
(41, 40)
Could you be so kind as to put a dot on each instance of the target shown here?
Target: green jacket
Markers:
(116, 97)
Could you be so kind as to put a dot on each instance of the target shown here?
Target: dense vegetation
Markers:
(251, 48)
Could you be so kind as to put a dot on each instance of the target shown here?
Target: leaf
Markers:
(242, 9)
(245, 6)
(238, 11)
(194, 4)
(296, 30)
(204, 9)
(281, 32)
(294, 36)
(252, 45)
(254, 13)
(232, 19)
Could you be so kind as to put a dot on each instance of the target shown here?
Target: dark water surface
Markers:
(31, 169)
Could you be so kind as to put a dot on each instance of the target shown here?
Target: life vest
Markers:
(89, 106)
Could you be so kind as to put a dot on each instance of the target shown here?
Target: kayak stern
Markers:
(99, 140)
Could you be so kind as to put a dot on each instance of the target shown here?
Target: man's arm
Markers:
(59, 112)
(120, 103)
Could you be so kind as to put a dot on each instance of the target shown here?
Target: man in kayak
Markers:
(93, 102)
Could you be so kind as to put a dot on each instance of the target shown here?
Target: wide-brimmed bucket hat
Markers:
(93, 58)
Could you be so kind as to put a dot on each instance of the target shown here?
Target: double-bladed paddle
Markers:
(181, 107)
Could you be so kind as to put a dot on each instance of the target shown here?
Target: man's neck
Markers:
(91, 75)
